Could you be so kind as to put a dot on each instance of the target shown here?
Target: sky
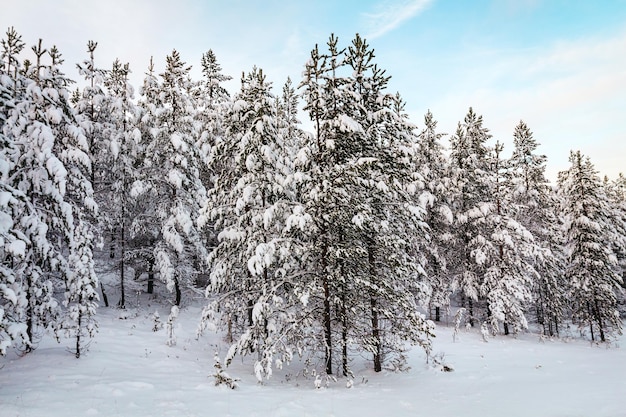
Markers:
(558, 65)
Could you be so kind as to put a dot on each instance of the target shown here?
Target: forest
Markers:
(354, 238)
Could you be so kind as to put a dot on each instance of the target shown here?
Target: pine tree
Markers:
(212, 106)
(322, 102)
(508, 247)
(535, 208)
(124, 154)
(492, 271)
(81, 282)
(254, 267)
(365, 226)
(50, 169)
(170, 175)
(14, 206)
(591, 268)
(470, 190)
(432, 166)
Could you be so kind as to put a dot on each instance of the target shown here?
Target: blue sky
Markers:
(558, 65)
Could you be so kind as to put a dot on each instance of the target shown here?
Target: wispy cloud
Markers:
(570, 93)
(390, 15)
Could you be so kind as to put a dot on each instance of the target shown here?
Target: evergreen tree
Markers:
(470, 189)
(365, 225)
(254, 267)
(493, 267)
(432, 166)
(535, 208)
(124, 139)
(212, 107)
(507, 248)
(170, 175)
(50, 170)
(591, 268)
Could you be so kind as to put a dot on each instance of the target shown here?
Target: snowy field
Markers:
(129, 371)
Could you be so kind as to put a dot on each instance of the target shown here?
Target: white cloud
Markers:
(571, 94)
(389, 16)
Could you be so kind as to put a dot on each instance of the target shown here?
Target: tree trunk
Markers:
(590, 321)
(344, 327)
(30, 323)
(104, 295)
(177, 291)
(376, 335)
(374, 312)
(150, 282)
(599, 320)
(78, 328)
(326, 316)
(122, 302)
(437, 314)
(327, 327)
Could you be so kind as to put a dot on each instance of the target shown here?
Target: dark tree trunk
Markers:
(344, 327)
(327, 327)
(177, 291)
(104, 295)
(122, 302)
(78, 329)
(374, 312)
(599, 320)
(590, 321)
(437, 314)
(150, 282)
(326, 316)
(378, 366)
(30, 323)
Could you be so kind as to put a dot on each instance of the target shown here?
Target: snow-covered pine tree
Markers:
(616, 190)
(81, 282)
(15, 246)
(254, 268)
(322, 97)
(170, 175)
(591, 268)
(432, 166)
(391, 225)
(51, 169)
(535, 206)
(491, 267)
(364, 222)
(93, 111)
(144, 230)
(507, 246)
(469, 203)
(124, 141)
(213, 102)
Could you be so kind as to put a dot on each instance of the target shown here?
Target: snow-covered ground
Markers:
(129, 371)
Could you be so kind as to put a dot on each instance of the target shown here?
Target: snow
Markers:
(17, 248)
(129, 370)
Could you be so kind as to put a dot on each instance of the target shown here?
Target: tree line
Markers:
(350, 239)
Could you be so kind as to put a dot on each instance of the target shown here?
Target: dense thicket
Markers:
(350, 239)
